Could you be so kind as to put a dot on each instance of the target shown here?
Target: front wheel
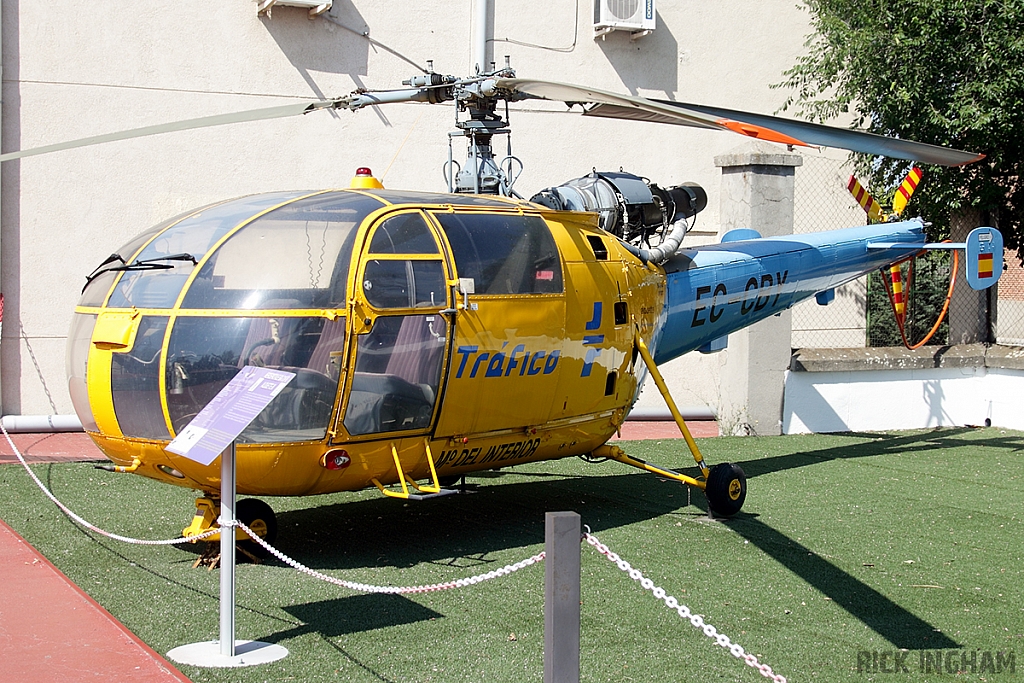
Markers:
(259, 517)
(726, 489)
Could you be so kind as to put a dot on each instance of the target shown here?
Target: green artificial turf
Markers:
(868, 549)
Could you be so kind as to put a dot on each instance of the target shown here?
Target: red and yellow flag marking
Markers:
(984, 265)
(897, 292)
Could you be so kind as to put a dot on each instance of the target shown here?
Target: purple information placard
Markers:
(230, 411)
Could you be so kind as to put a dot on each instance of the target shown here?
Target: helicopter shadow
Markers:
(899, 626)
(462, 531)
(458, 531)
(879, 444)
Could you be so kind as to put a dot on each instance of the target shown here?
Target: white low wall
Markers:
(876, 400)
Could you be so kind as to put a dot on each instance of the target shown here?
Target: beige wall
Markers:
(84, 67)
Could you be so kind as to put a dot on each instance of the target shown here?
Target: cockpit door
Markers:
(509, 331)
(401, 337)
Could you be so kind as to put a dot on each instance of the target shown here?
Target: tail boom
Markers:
(718, 289)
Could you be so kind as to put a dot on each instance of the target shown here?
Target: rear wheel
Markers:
(726, 489)
(259, 517)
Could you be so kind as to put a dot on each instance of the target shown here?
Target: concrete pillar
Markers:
(757, 192)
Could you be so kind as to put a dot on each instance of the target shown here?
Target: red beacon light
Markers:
(364, 180)
(336, 460)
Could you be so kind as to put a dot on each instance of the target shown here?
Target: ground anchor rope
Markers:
(92, 527)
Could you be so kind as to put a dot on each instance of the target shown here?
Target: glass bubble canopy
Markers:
(261, 280)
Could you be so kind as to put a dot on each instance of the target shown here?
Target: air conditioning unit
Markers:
(315, 7)
(635, 16)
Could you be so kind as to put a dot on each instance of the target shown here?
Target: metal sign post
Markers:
(227, 552)
(214, 431)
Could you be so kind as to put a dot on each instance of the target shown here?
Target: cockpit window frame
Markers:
(442, 255)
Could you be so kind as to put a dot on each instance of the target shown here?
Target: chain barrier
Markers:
(367, 588)
(659, 593)
(696, 620)
(88, 525)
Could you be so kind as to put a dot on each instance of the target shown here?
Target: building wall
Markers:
(879, 400)
(90, 67)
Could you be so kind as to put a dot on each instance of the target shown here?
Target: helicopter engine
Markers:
(631, 208)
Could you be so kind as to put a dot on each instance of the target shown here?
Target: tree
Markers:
(925, 299)
(947, 72)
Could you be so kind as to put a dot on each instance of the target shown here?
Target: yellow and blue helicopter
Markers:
(437, 334)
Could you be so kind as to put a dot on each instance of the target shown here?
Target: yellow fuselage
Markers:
(512, 358)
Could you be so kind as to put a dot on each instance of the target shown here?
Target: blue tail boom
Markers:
(717, 289)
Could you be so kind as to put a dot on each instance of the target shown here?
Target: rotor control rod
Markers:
(430, 94)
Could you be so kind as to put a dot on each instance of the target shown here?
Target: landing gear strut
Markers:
(251, 512)
(725, 484)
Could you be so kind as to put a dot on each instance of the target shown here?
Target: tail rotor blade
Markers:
(871, 207)
(906, 188)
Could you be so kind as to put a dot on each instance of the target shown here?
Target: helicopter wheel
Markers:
(259, 517)
(726, 489)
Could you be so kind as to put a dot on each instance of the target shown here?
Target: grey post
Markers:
(561, 597)
(757, 192)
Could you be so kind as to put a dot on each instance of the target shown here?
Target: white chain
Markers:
(659, 593)
(367, 588)
(696, 620)
(88, 525)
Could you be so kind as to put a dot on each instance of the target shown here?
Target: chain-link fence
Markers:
(926, 321)
(862, 313)
(823, 203)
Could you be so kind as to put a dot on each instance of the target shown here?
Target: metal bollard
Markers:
(561, 597)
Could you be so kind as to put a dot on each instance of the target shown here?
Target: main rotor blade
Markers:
(843, 138)
(641, 108)
(187, 124)
(763, 127)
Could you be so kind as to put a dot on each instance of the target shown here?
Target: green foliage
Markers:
(947, 72)
(927, 294)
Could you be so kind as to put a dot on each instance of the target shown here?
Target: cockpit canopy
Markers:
(266, 280)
